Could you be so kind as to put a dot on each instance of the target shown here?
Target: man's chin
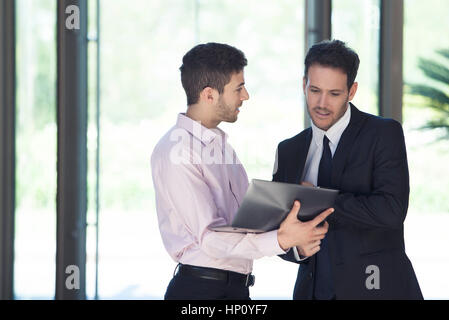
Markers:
(323, 125)
(231, 120)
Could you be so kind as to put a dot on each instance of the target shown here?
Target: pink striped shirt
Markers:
(199, 182)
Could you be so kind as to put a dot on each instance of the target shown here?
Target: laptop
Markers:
(267, 203)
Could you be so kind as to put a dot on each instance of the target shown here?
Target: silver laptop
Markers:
(266, 204)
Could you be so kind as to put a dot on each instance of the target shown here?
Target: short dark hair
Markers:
(209, 65)
(333, 54)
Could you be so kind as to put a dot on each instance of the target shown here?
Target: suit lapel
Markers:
(345, 144)
(301, 156)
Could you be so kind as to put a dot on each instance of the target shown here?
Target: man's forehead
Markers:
(327, 76)
(238, 75)
(237, 78)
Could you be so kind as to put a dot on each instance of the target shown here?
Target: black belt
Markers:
(216, 274)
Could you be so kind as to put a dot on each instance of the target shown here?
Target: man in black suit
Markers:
(364, 156)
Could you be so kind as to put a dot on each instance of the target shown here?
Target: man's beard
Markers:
(225, 112)
(342, 109)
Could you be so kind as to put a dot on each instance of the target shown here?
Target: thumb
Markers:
(293, 214)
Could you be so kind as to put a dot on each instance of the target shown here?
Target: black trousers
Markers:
(185, 287)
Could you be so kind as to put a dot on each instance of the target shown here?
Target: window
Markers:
(428, 213)
(35, 239)
(142, 46)
(357, 24)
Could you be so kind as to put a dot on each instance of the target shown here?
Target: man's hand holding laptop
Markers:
(306, 236)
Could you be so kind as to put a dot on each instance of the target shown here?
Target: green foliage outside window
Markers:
(435, 95)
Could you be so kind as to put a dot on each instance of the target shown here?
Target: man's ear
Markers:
(304, 84)
(352, 91)
(209, 95)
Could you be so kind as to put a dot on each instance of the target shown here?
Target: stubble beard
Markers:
(343, 108)
(225, 112)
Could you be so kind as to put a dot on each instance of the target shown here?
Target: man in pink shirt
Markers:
(200, 182)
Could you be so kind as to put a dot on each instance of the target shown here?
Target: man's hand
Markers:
(304, 235)
(307, 184)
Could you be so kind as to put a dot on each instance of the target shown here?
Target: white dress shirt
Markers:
(199, 182)
(310, 173)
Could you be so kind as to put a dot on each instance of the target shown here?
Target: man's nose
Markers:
(322, 102)
(245, 95)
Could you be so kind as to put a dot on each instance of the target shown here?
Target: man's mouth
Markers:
(322, 113)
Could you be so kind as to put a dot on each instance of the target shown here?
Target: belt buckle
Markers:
(250, 279)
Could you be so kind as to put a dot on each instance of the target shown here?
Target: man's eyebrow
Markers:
(242, 84)
(333, 90)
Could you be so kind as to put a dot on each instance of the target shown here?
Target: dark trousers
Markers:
(185, 287)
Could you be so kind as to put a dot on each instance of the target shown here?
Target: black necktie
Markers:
(325, 168)
(324, 288)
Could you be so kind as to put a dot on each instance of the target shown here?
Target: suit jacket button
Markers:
(311, 275)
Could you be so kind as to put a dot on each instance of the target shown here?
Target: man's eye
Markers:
(335, 94)
(314, 90)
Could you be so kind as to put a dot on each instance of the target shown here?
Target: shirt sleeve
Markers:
(297, 256)
(186, 209)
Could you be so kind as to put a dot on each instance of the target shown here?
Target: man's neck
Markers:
(196, 112)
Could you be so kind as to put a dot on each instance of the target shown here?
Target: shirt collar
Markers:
(196, 129)
(333, 133)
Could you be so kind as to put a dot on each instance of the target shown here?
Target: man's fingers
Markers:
(319, 237)
(315, 244)
(311, 251)
(321, 230)
(307, 184)
(294, 211)
(320, 218)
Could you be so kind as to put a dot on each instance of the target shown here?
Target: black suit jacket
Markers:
(366, 229)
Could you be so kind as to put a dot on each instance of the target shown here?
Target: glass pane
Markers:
(357, 23)
(139, 87)
(92, 144)
(425, 32)
(272, 38)
(35, 240)
(141, 94)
